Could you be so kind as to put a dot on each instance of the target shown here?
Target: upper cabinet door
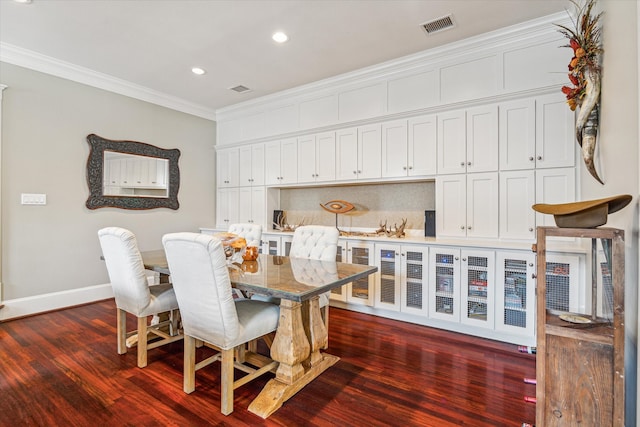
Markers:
(482, 139)
(257, 164)
(394, 149)
(288, 161)
(325, 156)
(228, 167)
(452, 143)
(423, 136)
(369, 152)
(272, 163)
(555, 138)
(307, 158)
(347, 154)
(518, 135)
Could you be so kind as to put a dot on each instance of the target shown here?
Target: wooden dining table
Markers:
(301, 334)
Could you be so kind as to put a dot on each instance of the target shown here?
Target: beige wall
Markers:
(52, 248)
(618, 158)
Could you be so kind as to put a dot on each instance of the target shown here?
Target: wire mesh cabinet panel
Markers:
(444, 284)
(580, 350)
(515, 293)
(478, 288)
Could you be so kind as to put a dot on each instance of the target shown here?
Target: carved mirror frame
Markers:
(95, 174)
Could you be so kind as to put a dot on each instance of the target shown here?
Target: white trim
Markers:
(53, 301)
(29, 59)
(2, 88)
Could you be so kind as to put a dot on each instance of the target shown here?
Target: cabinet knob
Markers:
(463, 259)
(539, 157)
(469, 228)
(404, 168)
(468, 163)
(462, 227)
(530, 264)
(355, 172)
(359, 171)
(533, 276)
(530, 228)
(456, 258)
(410, 167)
(461, 163)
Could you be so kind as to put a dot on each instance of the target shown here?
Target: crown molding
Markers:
(535, 30)
(35, 61)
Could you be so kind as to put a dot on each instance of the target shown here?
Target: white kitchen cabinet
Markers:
(360, 291)
(227, 207)
(276, 244)
(515, 293)
(409, 147)
(281, 159)
(537, 133)
(395, 150)
(467, 205)
(444, 284)
(228, 163)
(554, 186)
(468, 140)
(519, 190)
(402, 284)
(422, 145)
(358, 153)
(555, 133)
(517, 195)
(317, 158)
(251, 165)
(252, 205)
(477, 269)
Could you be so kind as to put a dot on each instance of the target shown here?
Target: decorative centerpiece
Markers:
(584, 73)
(233, 245)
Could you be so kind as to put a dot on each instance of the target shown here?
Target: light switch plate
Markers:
(34, 199)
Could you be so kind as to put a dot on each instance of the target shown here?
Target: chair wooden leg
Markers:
(142, 342)
(189, 381)
(226, 381)
(121, 327)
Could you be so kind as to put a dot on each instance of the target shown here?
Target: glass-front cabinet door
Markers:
(361, 290)
(413, 286)
(515, 293)
(444, 284)
(477, 271)
(340, 294)
(389, 262)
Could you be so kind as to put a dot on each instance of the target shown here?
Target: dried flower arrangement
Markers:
(584, 73)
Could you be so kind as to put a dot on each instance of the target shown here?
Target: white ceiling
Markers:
(155, 43)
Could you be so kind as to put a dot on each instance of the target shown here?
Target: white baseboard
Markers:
(20, 307)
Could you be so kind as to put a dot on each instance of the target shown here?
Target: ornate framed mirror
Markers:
(131, 175)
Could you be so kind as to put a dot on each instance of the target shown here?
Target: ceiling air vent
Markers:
(436, 25)
(240, 89)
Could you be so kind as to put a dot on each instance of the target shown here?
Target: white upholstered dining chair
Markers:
(210, 313)
(252, 233)
(317, 242)
(133, 295)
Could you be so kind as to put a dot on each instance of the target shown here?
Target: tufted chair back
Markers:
(252, 233)
(314, 272)
(126, 270)
(315, 242)
(201, 282)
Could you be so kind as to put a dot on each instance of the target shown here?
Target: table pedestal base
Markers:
(275, 393)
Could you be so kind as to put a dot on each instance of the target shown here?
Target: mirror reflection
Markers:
(131, 175)
(134, 176)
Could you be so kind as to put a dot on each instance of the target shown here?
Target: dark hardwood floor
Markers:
(62, 369)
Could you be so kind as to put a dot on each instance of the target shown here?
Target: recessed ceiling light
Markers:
(197, 70)
(22, 1)
(280, 37)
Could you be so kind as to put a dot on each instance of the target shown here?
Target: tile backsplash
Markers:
(374, 203)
